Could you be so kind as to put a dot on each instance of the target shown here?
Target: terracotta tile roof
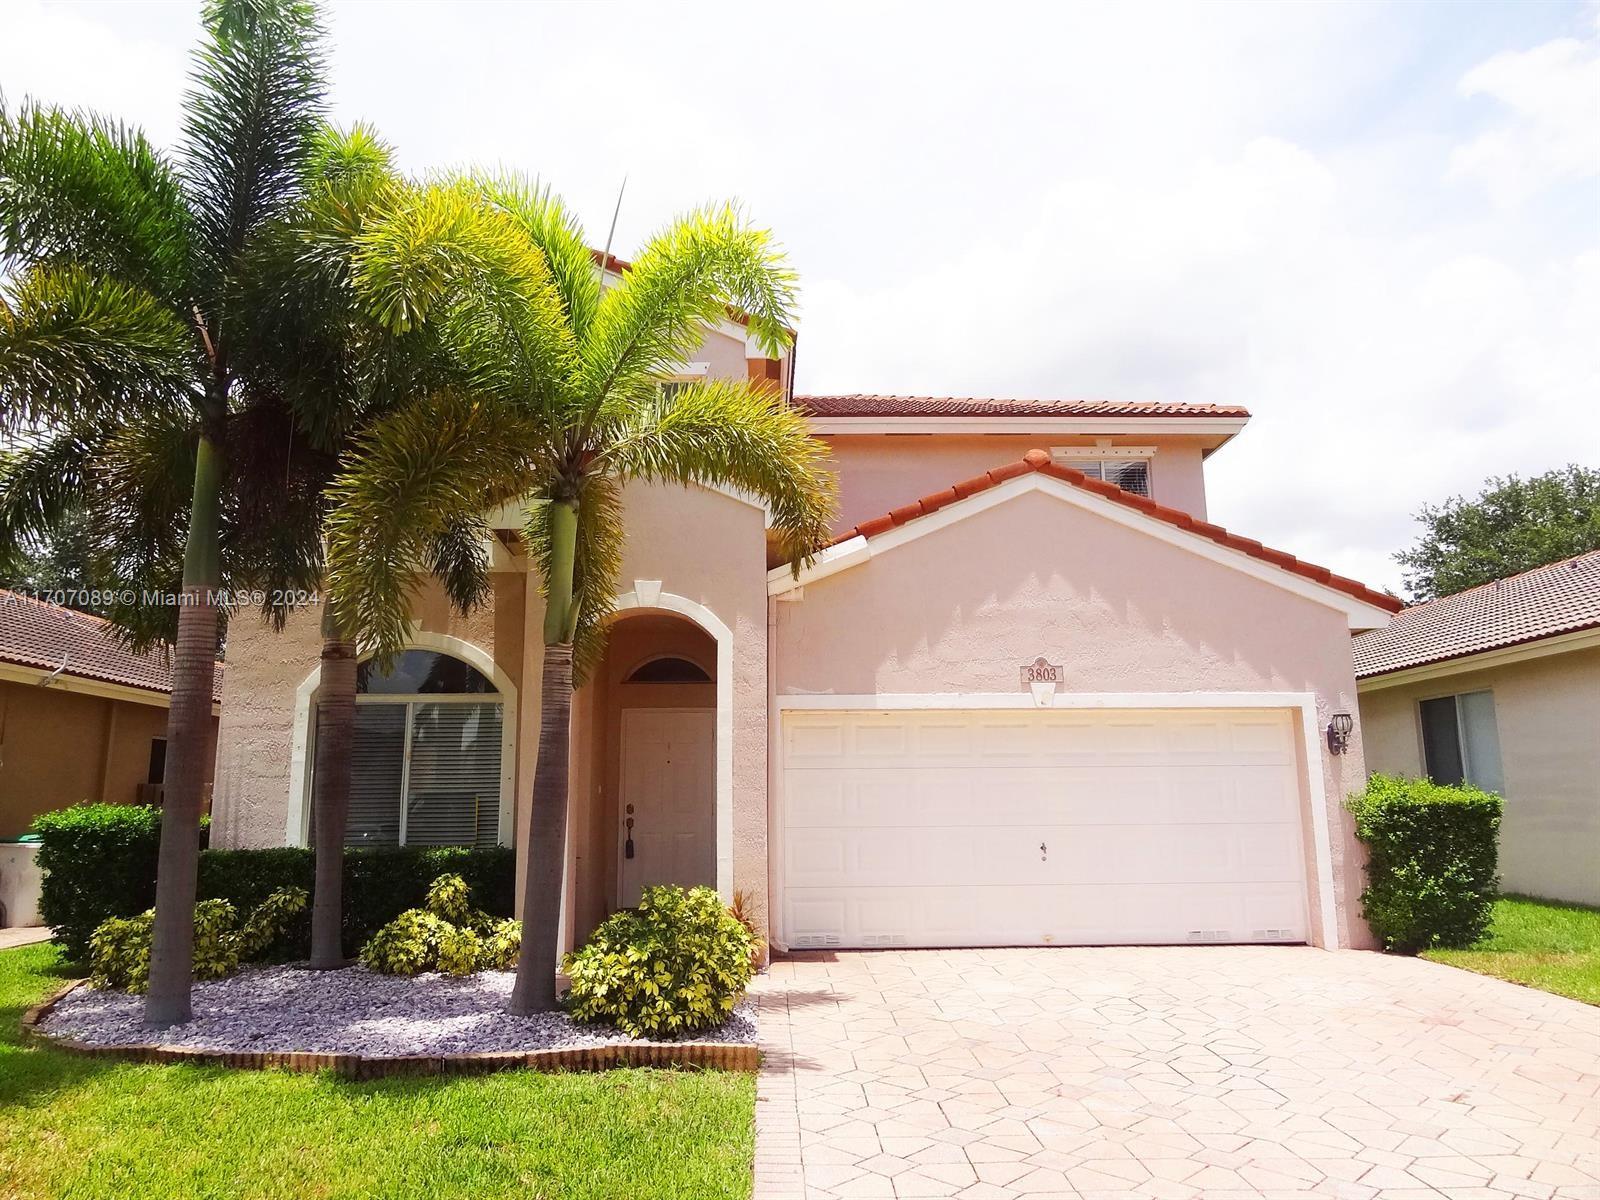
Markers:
(990, 406)
(34, 633)
(1039, 461)
(1563, 597)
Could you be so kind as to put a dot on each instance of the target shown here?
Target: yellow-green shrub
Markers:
(446, 934)
(119, 949)
(678, 963)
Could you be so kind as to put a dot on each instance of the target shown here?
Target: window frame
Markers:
(1074, 457)
(409, 701)
(1470, 766)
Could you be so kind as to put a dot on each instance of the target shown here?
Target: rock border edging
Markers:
(723, 1056)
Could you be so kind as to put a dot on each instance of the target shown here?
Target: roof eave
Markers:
(1540, 645)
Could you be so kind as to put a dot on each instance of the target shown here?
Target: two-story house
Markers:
(1028, 696)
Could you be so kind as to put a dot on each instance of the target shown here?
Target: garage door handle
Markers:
(1043, 851)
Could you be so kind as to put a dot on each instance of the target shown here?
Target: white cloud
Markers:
(1552, 129)
(1242, 204)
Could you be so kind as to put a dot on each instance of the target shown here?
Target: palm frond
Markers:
(411, 477)
(251, 118)
(686, 278)
(554, 229)
(735, 434)
(444, 255)
(79, 189)
(74, 345)
(42, 486)
(458, 557)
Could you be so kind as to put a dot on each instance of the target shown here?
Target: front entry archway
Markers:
(653, 746)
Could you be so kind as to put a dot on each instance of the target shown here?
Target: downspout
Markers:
(54, 675)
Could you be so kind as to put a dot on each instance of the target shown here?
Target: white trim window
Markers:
(1126, 466)
(425, 767)
(1461, 740)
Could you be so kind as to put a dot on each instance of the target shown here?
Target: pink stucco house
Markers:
(1028, 696)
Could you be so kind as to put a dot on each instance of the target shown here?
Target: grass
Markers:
(75, 1127)
(1549, 946)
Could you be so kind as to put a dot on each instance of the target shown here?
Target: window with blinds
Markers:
(1129, 474)
(425, 767)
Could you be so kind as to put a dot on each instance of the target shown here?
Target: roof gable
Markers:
(1364, 607)
(1561, 598)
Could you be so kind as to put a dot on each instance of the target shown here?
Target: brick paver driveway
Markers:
(1217, 1072)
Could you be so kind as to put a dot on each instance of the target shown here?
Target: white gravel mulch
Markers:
(353, 1011)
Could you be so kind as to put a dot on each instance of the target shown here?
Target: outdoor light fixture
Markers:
(1339, 732)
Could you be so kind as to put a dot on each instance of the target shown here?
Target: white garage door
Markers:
(1042, 826)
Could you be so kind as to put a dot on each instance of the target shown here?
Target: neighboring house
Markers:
(81, 717)
(877, 750)
(1499, 686)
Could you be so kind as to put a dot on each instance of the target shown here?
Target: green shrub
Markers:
(1432, 859)
(119, 950)
(678, 963)
(99, 861)
(407, 945)
(446, 934)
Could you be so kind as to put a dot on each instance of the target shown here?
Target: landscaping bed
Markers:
(287, 1009)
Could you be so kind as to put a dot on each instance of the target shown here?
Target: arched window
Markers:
(425, 767)
(668, 669)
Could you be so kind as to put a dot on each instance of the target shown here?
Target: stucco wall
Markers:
(711, 549)
(60, 747)
(961, 609)
(879, 473)
(1547, 711)
(266, 669)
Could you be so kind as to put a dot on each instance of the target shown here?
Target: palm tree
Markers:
(561, 405)
(124, 300)
(337, 369)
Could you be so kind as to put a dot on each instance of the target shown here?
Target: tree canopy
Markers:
(1513, 525)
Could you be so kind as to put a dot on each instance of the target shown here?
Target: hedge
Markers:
(1432, 861)
(99, 861)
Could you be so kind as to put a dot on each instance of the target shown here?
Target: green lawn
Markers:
(75, 1127)
(1553, 947)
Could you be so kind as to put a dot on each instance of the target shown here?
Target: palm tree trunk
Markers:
(188, 744)
(535, 989)
(336, 721)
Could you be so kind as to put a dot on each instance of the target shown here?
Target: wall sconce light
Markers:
(1339, 732)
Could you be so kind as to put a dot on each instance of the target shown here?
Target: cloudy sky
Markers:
(1377, 226)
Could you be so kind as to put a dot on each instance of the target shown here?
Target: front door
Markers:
(667, 825)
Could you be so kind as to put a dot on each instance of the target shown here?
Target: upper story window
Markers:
(681, 376)
(1461, 741)
(1126, 466)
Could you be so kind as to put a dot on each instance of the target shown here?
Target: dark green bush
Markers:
(1432, 860)
(99, 861)
(678, 963)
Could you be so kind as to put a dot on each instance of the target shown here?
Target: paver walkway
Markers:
(25, 935)
(1170, 1073)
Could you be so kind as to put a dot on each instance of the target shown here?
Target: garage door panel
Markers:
(1013, 914)
(944, 827)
